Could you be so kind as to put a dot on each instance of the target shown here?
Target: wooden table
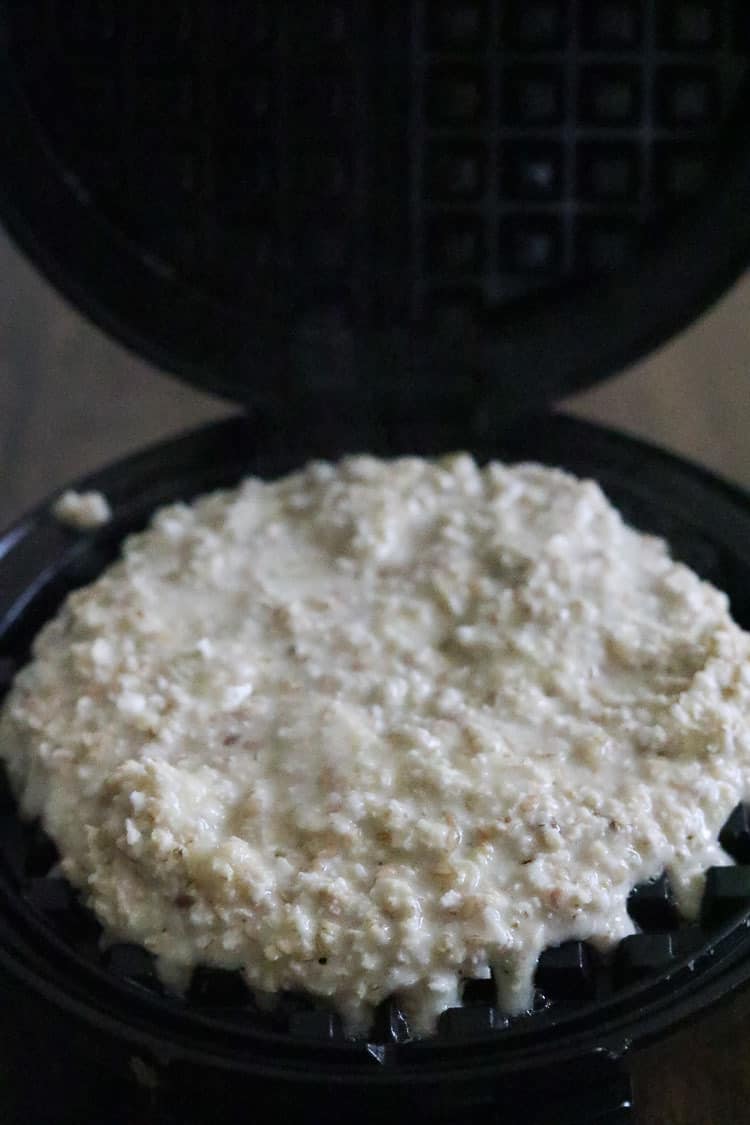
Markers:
(71, 400)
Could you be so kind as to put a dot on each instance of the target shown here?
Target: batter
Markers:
(381, 726)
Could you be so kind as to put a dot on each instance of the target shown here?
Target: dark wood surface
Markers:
(71, 400)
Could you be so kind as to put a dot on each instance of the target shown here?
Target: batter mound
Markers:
(380, 726)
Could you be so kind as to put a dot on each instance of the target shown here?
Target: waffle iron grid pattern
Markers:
(395, 161)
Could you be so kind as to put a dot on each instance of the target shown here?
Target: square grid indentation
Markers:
(336, 144)
(197, 132)
(586, 119)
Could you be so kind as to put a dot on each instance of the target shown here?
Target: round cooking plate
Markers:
(380, 202)
(585, 1006)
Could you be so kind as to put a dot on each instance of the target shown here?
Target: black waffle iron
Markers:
(400, 227)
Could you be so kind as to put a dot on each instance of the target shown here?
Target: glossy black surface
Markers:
(358, 203)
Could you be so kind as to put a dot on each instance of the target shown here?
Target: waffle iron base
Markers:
(88, 1039)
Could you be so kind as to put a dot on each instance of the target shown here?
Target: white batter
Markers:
(380, 726)
(82, 510)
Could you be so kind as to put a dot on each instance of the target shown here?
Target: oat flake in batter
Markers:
(380, 726)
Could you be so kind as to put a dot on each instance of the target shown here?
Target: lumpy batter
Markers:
(82, 510)
(380, 726)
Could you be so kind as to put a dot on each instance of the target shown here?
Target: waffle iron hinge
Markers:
(397, 391)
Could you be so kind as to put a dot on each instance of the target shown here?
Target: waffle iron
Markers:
(400, 228)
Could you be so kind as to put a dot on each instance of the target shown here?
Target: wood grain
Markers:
(71, 400)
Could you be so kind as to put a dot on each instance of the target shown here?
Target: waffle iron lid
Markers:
(473, 202)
